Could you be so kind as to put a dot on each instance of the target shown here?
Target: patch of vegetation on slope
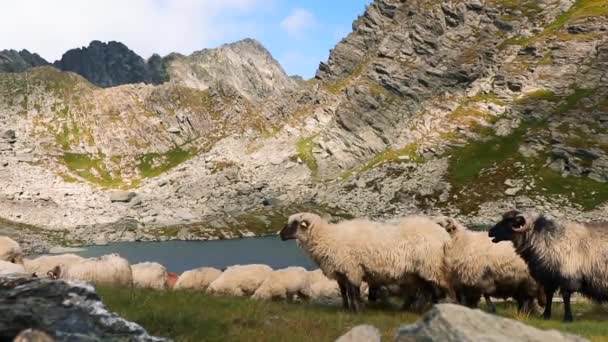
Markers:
(304, 150)
(408, 153)
(154, 164)
(94, 170)
(478, 171)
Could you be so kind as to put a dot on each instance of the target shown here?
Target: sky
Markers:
(299, 34)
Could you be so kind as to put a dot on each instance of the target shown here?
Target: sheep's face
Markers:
(18, 259)
(512, 223)
(297, 227)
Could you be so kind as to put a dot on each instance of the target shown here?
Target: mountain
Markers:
(462, 108)
(17, 61)
(110, 64)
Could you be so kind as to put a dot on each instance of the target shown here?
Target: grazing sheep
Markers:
(320, 288)
(381, 254)
(197, 279)
(151, 275)
(172, 279)
(10, 250)
(568, 256)
(240, 280)
(476, 267)
(46, 264)
(7, 268)
(107, 270)
(283, 284)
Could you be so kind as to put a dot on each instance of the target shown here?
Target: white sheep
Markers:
(151, 275)
(197, 279)
(286, 283)
(8, 268)
(46, 265)
(10, 250)
(355, 251)
(320, 288)
(477, 267)
(107, 270)
(240, 280)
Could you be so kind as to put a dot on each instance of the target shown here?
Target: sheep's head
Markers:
(299, 226)
(512, 224)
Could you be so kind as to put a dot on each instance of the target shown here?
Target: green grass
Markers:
(388, 156)
(191, 316)
(538, 95)
(154, 164)
(304, 150)
(92, 169)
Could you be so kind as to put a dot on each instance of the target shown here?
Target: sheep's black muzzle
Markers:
(289, 231)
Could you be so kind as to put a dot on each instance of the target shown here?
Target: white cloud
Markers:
(298, 21)
(146, 26)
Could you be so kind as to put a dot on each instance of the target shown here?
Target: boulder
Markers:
(68, 311)
(121, 196)
(450, 322)
(361, 333)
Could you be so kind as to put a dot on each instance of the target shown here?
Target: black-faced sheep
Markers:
(151, 275)
(568, 256)
(240, 280)
(285, 283)
(46, 265)
(355, 251)
(107, 270)
(197, 279)
(475, 266)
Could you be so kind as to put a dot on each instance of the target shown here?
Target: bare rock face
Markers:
(449, 322)
(17, 61)
(245, 66)
(108, 64)
(67, 311)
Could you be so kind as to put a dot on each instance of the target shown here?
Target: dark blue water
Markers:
(179, 256)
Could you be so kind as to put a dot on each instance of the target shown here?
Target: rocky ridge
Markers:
(465, 108)
(18, 61)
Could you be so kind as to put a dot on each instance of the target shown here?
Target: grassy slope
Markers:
(187, 316)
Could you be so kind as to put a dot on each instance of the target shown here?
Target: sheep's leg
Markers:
(549, 299)
(491, 306)
(343, 292)
(354, 296)
(567, 309)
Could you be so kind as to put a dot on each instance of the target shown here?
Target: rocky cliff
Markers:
(111, 64)
(464, 108)
(17, 61)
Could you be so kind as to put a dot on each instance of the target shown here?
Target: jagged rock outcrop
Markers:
(18, 61)
(111, 64)
(245, 66)
(67, 311)
(449, 322)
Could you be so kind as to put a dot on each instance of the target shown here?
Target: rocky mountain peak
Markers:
(107, 64)
(18, 61)
(244, 65)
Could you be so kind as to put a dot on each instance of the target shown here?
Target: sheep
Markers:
(7, 268)
(560, 254)
(197, 279)
(320, 288)
(240, 280)
(172, 279)
(107, 270)
(151, 275)
(360, 250)
(283, 284)
(476, 267)
(10, 250)
(46, 264)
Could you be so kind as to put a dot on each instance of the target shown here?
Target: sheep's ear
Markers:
(520, 221)
(304, 224)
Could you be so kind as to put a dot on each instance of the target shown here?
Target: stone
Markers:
(68, 311)
(174, 130)
(121, 196)
(361, 333)
(512, 191)
(456, 323)
(9, 135)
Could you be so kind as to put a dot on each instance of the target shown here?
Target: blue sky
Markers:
(299, 34)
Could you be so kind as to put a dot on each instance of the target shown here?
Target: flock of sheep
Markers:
(525, 256)
(256, 281)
